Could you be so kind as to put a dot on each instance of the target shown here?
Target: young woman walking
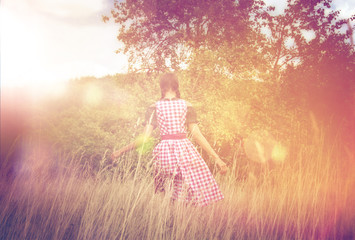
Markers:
(177, 164)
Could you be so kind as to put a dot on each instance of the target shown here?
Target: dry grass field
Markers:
(309, 196)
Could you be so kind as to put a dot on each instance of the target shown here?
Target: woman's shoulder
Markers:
(185, 102)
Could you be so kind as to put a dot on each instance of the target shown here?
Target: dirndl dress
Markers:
(177, 164)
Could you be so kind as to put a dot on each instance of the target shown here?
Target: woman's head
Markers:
(169, 82)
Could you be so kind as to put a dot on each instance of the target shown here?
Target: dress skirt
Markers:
(179, 167)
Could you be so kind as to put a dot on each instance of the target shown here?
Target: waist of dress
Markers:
(173, 136)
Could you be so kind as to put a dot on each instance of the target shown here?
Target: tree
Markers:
(288, 33)
(162, 34)
(225, 48)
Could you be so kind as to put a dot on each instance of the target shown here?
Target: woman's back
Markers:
(171, 116)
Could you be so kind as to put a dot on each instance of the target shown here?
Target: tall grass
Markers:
(309, 196)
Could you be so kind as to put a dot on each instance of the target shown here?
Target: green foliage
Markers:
(227, 44)
(239, 79)
(98, 115)
(158, 35)
(95, 116)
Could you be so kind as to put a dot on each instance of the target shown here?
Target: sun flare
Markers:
(93, 95)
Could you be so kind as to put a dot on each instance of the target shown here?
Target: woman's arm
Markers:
(201, 140)
(147, 132)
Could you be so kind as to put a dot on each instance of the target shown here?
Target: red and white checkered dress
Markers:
(177, 163)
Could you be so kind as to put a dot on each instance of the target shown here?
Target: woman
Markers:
(177, 163)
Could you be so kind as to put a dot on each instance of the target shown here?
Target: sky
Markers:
(45, 43)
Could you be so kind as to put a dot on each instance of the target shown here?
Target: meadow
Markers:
(308, 196)
(256, 79)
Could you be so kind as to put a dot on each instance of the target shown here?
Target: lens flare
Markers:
(279, 153)
(34, 159)
(93, 95)
(262, 147)
(260, 151)
(145, 144)
(258, 146)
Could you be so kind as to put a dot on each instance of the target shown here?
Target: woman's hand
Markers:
(222, 166)
(201, 140)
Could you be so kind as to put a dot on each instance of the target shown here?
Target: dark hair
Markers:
(169, 81)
